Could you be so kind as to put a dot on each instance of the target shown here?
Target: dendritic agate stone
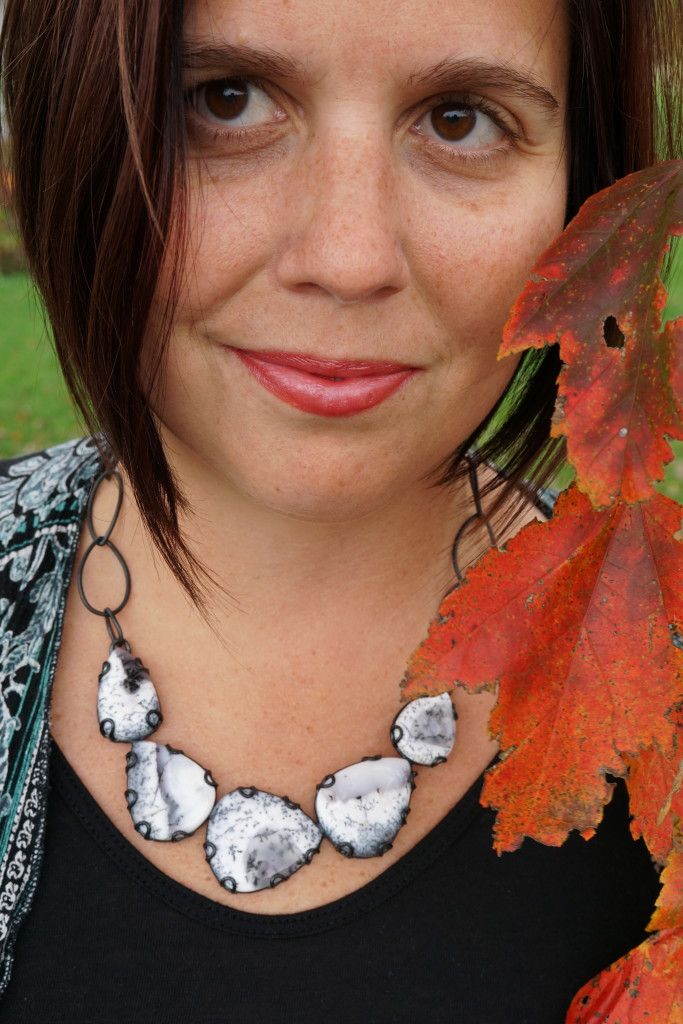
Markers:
(127, 703)
(169, 795)
(361, 808)
(424, 730)
(256, 840)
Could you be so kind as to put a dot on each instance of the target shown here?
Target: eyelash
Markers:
(473, 157)
(215, 134)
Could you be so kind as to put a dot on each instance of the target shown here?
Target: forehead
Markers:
(389, 39)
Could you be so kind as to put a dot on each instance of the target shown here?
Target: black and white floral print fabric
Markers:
(42, 504)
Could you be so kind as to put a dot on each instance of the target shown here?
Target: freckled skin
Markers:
(337, 226)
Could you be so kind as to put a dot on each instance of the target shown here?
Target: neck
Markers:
(260, 554)
(313, 547)
(342, 594)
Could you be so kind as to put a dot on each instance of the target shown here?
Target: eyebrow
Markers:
(451, 73)
(480, 76)
(244, 60)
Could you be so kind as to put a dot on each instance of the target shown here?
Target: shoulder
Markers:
(45, 489)
(42, 502)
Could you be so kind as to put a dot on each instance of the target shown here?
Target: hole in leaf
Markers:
(612, 333)
(676, 637)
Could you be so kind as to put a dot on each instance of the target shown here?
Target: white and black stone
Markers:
(361, 808)
(127, 704)
(424, 730)
(255, 840)
(169, 795)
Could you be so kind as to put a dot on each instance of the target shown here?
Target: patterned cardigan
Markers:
(42, 504)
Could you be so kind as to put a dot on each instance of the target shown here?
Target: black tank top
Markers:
(450, 933)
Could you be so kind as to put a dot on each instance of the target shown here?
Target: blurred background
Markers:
(35, 410)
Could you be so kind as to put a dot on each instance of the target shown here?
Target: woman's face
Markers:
(370, 184)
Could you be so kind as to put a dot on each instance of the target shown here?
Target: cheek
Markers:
(224, 247)
(220, 253)
(479, 256)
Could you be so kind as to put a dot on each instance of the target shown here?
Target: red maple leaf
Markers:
(668, 912)
(578, 622)
(656, 804)
(622, 386)
(644, 987)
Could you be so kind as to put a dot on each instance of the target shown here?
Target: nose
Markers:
(345, 235)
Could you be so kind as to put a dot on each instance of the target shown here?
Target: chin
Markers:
(331, 497)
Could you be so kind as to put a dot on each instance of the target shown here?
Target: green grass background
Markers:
(35, 410)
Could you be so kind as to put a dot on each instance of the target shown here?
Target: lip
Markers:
(325, 387)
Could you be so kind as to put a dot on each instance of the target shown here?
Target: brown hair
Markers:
(94, 109)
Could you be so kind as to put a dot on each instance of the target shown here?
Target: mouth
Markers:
(325, 387)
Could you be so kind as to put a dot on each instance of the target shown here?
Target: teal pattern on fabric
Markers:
(42, 505)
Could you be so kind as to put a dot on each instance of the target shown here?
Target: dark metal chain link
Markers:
(104, 541)
(477, 514)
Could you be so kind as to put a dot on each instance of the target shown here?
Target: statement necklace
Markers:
(254, 839)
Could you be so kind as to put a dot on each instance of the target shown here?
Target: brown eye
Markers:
(461, 126)
(234, 101)
(226, 99)
(453, 121)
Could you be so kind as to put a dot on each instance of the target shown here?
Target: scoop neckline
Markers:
(129, 860)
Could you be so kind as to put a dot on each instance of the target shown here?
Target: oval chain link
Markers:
(476, 515)
(104, 541)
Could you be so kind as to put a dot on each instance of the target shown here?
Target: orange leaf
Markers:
(669, 912)
(596, 290)
(579, 624)
(654, 786)
(644, 987)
